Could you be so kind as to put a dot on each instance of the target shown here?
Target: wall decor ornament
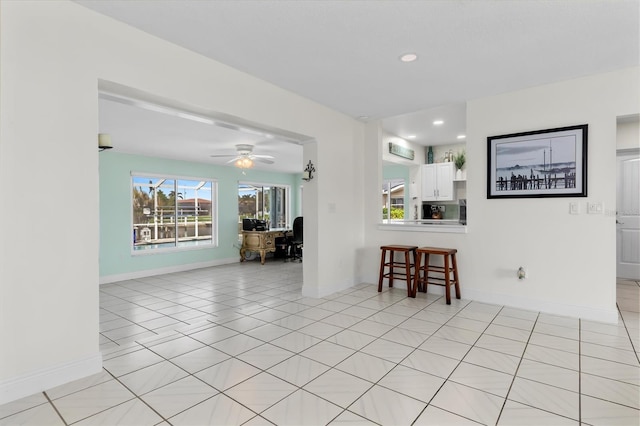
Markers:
(308, 172)
(401, 151)
(536, 164)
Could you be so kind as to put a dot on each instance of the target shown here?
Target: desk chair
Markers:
(295, 241)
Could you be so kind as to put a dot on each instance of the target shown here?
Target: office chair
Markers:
(295, 242)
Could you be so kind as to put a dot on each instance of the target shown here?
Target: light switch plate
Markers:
(574, 207)
(595, 207)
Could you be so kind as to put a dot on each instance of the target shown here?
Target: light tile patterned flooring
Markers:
(238, 344)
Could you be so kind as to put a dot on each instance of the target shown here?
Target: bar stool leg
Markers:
(426, 272)
(382, 261)
(407, 265)
(455, 275)
(416, 279)
(447, 279)
(392, 259)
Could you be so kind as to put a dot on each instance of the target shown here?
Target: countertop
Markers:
(426, 225)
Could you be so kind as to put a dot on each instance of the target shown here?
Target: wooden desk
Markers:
(262, 242)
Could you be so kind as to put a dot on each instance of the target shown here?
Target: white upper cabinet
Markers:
(437, 182)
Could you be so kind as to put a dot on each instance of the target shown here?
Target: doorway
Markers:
(627, 199)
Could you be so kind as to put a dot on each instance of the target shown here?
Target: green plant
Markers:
(396, 213)
(459, 159)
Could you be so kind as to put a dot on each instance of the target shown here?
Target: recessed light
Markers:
(408, 57)
(363, 117)
(461, 136)
(411, 137)
(438, 122)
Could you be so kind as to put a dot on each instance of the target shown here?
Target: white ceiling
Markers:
(139, 127)
(344, 54)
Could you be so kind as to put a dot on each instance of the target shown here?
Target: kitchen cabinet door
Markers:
(429, 182)
(445, 181)
(437, 182)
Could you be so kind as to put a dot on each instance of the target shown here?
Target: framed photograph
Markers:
(542, 163)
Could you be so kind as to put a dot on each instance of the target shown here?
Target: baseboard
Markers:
(106, 279)
(562, 309)
(47, 378)
(556, 308)
(324, 291)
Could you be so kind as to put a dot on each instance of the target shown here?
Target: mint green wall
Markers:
(115, 210)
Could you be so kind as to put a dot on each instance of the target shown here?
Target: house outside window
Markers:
(393, 199)
(172, 213)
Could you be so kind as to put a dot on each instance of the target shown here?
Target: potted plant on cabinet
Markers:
(459, 160)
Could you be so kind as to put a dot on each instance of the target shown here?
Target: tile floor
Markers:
(238, 344)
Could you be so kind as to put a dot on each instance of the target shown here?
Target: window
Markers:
(172, 212)
(393, 199)
(265, 202)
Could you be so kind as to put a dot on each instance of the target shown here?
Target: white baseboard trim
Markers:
(107, 279)
(47, 378)
(563, 309)
(556, 308)
(317, 293)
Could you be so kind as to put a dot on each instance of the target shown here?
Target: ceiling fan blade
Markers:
(262, 156)
(224, 155)
(233, 159)
(264, 160)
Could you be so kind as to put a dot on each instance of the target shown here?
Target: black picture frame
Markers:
(522, 165)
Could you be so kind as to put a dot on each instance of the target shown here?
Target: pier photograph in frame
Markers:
(543, 163)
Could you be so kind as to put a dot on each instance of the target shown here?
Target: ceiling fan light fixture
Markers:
(244, 163)
(245, 158)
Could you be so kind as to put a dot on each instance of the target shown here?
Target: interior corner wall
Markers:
(338, 193)
(52, 56)
(569, 259)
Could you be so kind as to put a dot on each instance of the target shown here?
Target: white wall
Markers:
(628, 136)
(570, 259)
(52, 56)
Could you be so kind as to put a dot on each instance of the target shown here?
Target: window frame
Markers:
(387, 186)
(288, 206)
(176, 248)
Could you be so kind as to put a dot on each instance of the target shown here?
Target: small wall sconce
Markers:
(104, 141)
(307, 174)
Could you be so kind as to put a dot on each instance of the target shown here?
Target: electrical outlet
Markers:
(522, 273)
(595, 207)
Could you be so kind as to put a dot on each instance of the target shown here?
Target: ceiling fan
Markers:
(245, 157)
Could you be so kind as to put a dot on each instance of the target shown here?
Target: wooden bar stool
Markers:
(406, 265)
(438, 275)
